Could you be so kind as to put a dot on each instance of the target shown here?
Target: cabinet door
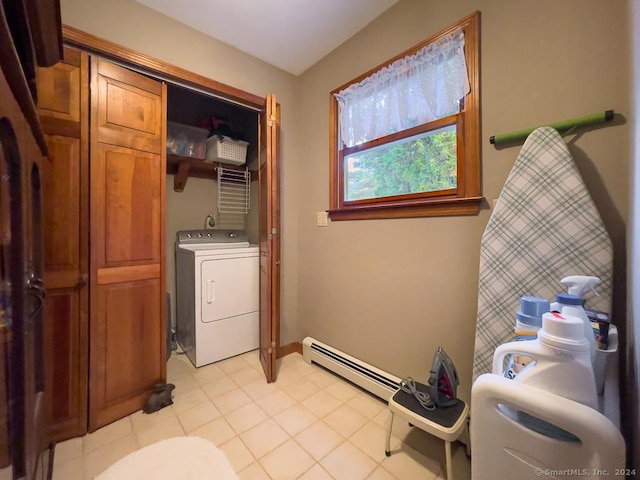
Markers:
(21, 402)
(63, 101)
(127, 329)
(12, 388)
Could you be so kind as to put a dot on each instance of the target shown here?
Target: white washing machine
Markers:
(217, 294)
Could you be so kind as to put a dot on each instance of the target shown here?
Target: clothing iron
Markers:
(443, 380)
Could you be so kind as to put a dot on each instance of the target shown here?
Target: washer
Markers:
(217, 294)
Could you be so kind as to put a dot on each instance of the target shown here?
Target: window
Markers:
(405, 136)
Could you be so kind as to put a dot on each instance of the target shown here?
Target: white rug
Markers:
(180, 458)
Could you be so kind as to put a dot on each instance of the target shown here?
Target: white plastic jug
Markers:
(571, 305)
(561, 360)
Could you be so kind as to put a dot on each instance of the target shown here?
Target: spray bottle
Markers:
(578, 284)
(571, 303)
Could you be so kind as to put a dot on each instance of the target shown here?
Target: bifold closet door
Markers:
(63, 106)
(269, 232)
(127, 332)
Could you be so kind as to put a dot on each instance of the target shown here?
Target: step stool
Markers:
(446, 423)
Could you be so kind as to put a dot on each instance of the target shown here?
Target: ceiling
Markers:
(290, 34)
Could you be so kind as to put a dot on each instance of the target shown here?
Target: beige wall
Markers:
(137, 27)
(391, 291)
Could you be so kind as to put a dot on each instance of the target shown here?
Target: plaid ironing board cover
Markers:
(544, 227)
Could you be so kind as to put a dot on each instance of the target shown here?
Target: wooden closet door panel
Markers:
(62, 209)
(126, 210)
(59, 96)
(129, 109)
(127, 328)
(66, 404)
(63, 93)
(269, 235)
(126, 356)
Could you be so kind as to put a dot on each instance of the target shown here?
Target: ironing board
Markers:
(544, 227)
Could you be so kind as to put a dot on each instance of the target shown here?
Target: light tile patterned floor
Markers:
(308, 425)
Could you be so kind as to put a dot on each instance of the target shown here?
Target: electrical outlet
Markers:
(322, 219)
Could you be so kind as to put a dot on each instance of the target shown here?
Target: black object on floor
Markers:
(160, 398)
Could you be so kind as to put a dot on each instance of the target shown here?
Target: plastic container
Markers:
(186, 141)
(529, 317)
(226, 150)
(561, 361)
(528, 322)
(569, 304)
(503, 447)
(602, 356)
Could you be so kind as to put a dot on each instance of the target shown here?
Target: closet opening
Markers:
(196, 193)
(190, 193)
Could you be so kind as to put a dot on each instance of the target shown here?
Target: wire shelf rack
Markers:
(234, 194)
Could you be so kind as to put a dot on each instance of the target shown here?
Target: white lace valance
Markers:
(411, 91)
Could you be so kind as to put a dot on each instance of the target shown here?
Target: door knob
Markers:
(35, 292)
(82, 280)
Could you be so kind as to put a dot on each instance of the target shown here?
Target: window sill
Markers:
(436, 208)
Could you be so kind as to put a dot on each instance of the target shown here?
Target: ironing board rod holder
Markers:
(562, 127)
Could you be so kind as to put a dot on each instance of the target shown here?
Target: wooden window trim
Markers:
(466, 198)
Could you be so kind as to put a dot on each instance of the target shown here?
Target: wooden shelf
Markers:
(184, 167)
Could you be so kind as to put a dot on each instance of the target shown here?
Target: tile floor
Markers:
(308, 425)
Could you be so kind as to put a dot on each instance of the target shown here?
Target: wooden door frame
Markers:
(162, 70)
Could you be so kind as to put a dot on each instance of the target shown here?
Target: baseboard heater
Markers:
(372, 379)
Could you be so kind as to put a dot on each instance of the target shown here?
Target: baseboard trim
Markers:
(284, 350)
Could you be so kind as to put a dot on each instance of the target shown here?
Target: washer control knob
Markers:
(199, 235)
(209, 235)
(188, 235)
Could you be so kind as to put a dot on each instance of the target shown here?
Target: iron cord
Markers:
(408, 385)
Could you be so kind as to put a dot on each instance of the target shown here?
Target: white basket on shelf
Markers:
(226, 150)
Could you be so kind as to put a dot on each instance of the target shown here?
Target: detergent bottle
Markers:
(528, 322)
(529, 317)
(560, 364)
(571, 303)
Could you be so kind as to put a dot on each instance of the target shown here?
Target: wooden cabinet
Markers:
(104, 234)
(30, 36)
